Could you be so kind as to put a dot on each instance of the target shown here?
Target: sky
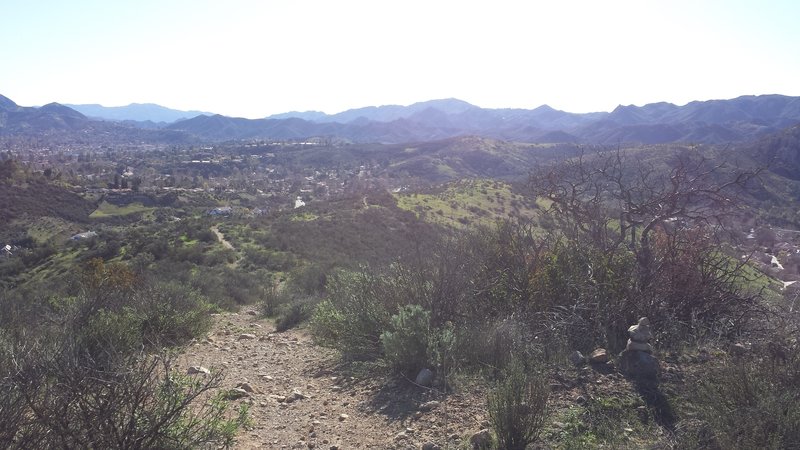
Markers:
(255, 58)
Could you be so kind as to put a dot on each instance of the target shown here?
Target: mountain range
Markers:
(714, 121)
(64, 124)
(137, 112)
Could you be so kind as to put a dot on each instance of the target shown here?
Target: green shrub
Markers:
(405, 344)
(518, 407)
(293, 313)
(327, 324)
(171, 314)
(273, 298)
(355, 315)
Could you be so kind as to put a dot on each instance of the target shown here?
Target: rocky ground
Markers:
(301, 398)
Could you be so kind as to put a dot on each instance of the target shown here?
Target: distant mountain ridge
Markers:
(139, 112)
(66, 124)
(714, 121)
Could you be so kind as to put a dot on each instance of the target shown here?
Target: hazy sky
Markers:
(255, 58)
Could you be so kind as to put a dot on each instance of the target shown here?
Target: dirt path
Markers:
(221, 238)
(301, 398)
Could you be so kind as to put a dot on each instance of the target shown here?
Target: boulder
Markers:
(638, 364)
(424, 377)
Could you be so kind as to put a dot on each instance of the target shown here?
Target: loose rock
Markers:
(246, 387)
(237, 393)
(428, 406)
(197, 369)
(599, 356)
(482, 440)
(577, 358)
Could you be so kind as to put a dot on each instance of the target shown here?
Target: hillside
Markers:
(34, 197)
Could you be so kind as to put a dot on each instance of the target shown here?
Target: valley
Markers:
(314, 265)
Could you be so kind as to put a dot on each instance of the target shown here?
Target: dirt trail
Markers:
(221, 238)
(301, 398)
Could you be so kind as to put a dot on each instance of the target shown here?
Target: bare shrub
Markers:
(518, 407)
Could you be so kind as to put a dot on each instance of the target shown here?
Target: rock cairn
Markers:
(637, 359)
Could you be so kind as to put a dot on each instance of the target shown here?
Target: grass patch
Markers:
(110, 210)
(467, 202)
(304, 217)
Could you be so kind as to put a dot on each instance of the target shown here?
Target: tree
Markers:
(647, 237)
(614, 199)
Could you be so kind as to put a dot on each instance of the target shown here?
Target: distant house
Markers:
(84, 235)
(221, 211)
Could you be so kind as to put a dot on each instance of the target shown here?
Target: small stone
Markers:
(599, 356)
(247, 336)
(738, 349)
(482, 440)
(343, 417)
(251, 313)
(237, 393)
(401, 436)
(295, 395)
(430, 446)
(428, 406)
(246, 387)
(424, 377)
(197, 369)
(581, 400)
(577, 358)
